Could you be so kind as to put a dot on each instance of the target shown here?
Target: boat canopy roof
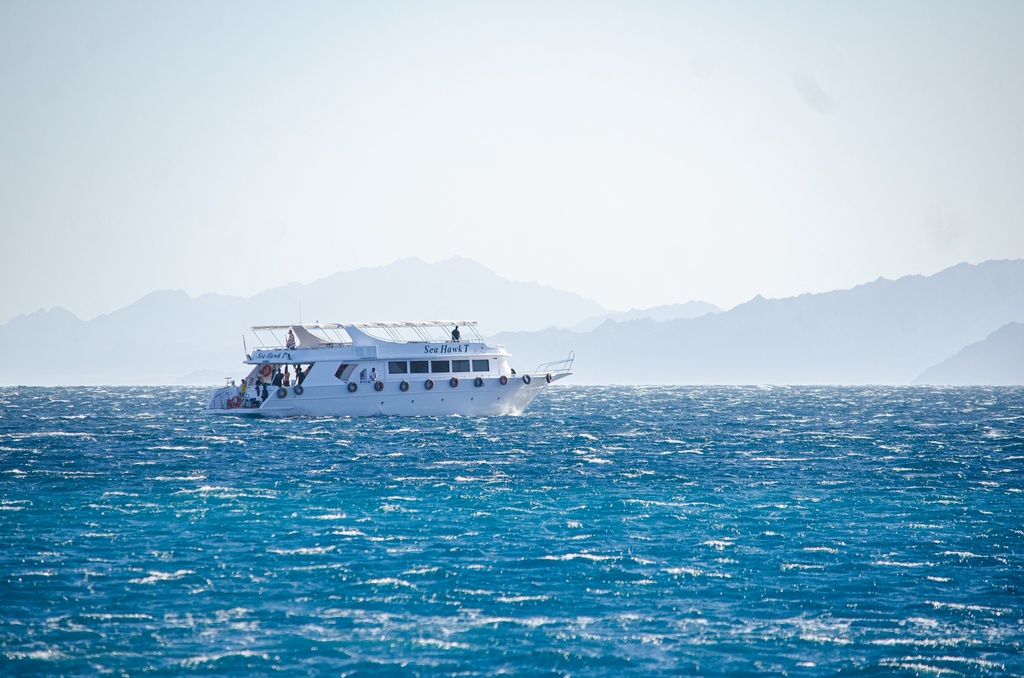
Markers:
(311, 335)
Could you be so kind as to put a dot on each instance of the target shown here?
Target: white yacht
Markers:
(417, 368)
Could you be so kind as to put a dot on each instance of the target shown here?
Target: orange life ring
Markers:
(266, 370)
(236, 401)
(378, 385)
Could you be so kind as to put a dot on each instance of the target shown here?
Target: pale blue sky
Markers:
(638, 153)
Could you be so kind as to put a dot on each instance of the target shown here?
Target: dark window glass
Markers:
(481, 366)
(438, 366)
(418, 366)
(398, 367)
(460, 366)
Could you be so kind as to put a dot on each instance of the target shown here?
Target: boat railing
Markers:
(557, 366)
(300, 347)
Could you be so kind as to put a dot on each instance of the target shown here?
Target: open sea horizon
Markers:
(608, 531)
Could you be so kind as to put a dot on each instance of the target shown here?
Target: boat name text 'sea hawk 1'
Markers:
(413, 368)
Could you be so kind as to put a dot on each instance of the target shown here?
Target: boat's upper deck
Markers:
(336, 335)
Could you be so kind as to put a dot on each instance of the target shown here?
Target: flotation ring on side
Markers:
(479, 381)
(526, 379)
(266, 370)
(404, 385)
(503, 379)
(428, 384)
(282, 392)
(298, 389)
(378, 386)
(548, 377)
(453, 382)
(235, 401)
(352, 386)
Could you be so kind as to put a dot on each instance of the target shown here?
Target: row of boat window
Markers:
(437, 366)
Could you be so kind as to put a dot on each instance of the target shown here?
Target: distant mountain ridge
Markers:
(167, 335)
(690, 309)
(996, 360)
(884, 332)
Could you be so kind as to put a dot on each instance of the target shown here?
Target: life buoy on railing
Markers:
(266, 370)
(404, 386)
(428, 384)
(352, 386)
(282, 392)
(298, 389)
(479, 381)
(236, 401)
(378, 386)
(548, 377)
(503, 379)
(453, 382)
(526, 379)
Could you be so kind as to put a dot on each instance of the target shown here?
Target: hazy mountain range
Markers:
(959, 326)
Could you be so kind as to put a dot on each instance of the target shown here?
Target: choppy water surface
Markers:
(609, 531)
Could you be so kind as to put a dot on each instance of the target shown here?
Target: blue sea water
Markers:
(609, 531)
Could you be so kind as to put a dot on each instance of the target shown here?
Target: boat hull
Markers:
(491, 398)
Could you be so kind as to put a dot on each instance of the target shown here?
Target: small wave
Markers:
(391, 581)
(580, 556)
(47, 655)
(109, 616)
(441, 644)
(329, 516)
(199, 660)
(303, 551)
(823, 639)
(348, 532)
(426, 569)
(998, 611)
(897, 563)
(917, 667)
(954, 641)
(718, 544)
(521, 599)
(155, 577)
(786, 567)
